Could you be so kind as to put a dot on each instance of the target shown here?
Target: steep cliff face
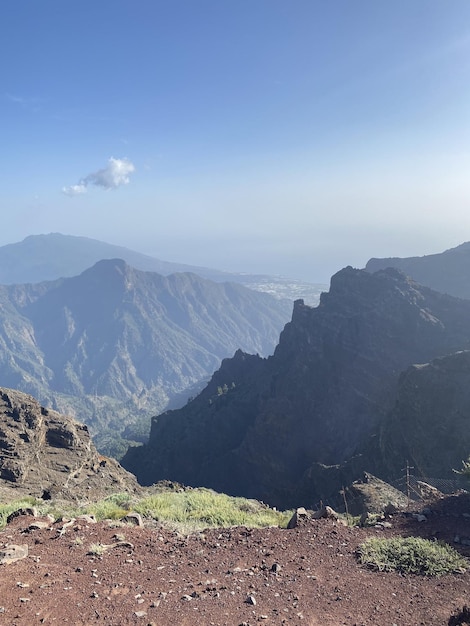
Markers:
(314, 403)
(429, 425)
(45, 454)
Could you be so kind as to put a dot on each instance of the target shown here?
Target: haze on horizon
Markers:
(259, 136)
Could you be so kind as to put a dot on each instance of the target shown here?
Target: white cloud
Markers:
(116, 173)
(74, 190)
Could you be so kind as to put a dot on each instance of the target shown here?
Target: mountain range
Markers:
(372, 379)
(114, 345)
(41, 258)
(293, 427)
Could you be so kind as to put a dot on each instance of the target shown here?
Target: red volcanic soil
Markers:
(237, 576)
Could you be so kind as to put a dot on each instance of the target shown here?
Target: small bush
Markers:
(411, 555)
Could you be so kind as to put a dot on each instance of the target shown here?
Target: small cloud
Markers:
(74, 190)
(116, 173)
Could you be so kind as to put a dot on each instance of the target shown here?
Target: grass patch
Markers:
(112, 507)
(11, 507)
(185, 511)
(196, 509)
(411, 555)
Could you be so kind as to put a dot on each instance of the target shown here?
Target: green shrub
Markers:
(411, 555)
(11, 507)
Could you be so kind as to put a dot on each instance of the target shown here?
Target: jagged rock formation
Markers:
(447, 272)
(287, 429)
(45, 454)
(114, 343)
(430, 423)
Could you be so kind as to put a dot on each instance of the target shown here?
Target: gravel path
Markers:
(307, 575)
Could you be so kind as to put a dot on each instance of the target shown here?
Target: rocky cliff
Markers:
(277, 428)
(45, 454)
(429, 424)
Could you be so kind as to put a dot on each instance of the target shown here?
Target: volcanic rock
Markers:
(274, 429)
(372, 495)
(429, 424)
(45, 454)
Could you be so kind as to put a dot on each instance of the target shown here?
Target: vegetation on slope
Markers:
(186, 511)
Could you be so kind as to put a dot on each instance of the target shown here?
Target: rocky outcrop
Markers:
(372, 495)
(45, 454)
(429, 425)
(274, 428)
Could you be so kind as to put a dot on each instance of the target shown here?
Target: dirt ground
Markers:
(151, 575)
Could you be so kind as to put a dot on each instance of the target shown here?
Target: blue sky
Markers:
(286, 137)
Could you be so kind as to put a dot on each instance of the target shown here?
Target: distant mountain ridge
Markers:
(447, 272)
(41, 258)
(116, 343)
(280, 429)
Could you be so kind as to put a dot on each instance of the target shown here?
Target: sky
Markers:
(288, 137)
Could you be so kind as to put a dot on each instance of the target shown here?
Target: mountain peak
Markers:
(109, 266)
